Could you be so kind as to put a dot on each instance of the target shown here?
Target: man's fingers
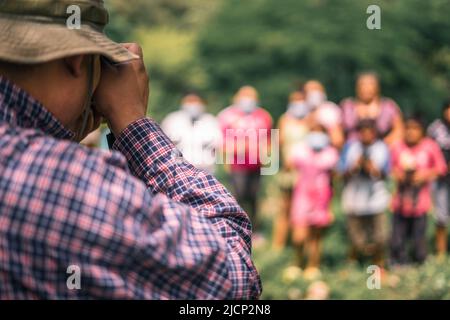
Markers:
(139, 67)
(134, 48)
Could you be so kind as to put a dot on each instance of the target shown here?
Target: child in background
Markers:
(365, 198)
(416, 162)
(314, 160)
(439, 130)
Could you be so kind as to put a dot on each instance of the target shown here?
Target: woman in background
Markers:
(439, 130)
(369, 104)
(293, 128)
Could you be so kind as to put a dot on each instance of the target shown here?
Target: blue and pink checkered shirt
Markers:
(138, 222)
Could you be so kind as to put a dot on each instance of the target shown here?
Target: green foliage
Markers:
(216, 46)
(276, 45)
(167, 30)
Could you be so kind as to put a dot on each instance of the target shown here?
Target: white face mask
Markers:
(298, 109)
(194, 110)
(247, 104)
(316, 98)
(317, 140)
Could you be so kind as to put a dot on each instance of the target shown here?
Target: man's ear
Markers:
(75, 65)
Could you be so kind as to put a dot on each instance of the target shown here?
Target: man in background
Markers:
(194, 132)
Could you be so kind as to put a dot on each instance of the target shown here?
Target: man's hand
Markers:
(122, 95)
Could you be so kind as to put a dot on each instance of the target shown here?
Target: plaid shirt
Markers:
(137, 222)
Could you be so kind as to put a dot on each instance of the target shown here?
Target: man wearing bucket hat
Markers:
(137, 222)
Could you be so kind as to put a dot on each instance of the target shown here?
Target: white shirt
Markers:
(197, 140)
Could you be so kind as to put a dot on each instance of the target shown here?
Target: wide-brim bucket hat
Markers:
(36, 31)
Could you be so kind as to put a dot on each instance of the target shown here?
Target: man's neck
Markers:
(20, 109)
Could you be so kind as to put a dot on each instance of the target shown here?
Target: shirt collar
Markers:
(18, 108)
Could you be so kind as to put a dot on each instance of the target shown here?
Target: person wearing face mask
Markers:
(370, 105)
(324, 112)
(195, 132)
(243, 125)
(314, 159)
(293, 128)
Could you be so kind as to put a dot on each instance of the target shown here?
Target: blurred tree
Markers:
(275, 45)
(167, 31)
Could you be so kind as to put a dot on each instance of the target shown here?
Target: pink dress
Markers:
(312, 193)
(425, 156)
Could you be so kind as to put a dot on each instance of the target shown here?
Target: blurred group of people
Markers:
(365, 142)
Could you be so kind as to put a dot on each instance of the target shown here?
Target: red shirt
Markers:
(244, 136)
(423, 157)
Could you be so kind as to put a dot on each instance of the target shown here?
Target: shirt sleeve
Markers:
(212, 243)
(439, 162)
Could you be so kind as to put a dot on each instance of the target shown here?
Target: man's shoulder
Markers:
(65, 178)
(76, 154)
(227, 111)
(265, 115)
(37, 154)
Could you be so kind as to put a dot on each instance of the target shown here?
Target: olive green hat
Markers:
(36, 31)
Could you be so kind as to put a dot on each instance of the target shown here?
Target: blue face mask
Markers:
(317, 140)
(315, 98)
(247, 104)
(298, 109)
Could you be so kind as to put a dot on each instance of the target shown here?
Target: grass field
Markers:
(342, 279)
